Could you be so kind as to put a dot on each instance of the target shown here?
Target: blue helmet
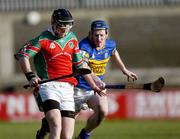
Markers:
(99, 24)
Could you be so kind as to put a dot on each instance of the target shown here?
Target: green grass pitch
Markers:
(114, 129)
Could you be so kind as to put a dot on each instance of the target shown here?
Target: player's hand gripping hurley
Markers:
(80, 71)
(155, 86)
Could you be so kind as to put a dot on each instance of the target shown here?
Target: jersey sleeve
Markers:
(29, 49)
(77, 57)
(112, 45)
(85, 49)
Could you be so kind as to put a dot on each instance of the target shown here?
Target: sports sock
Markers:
(84, 135)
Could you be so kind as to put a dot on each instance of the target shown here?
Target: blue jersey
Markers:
(96, 59)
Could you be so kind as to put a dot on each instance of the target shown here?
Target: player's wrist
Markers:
(30, 75)
(96, 88)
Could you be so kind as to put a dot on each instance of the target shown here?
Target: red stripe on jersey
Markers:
(77, 51)
(78, 63)
(32, 48)
(25, 54)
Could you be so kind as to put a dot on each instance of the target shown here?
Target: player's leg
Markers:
(51, 99)
(53, 116)
(100, 107)
(67, 130)
(81, 97)
(67, 103)
(67, 111)
(54, 119)
(41, 133)
(44, 130)
(68, 122)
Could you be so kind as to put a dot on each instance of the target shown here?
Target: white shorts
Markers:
(81, 97)
(61, 92)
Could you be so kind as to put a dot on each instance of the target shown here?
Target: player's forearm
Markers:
(89, 79)
(25, 65)
(26, 68)
(94, 76)
(116, 57)
(121, 65)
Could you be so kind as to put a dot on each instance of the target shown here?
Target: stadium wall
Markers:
(147, 39)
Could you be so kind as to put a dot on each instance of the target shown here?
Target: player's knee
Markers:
(53, 122)
(53, 118)
(103, 111)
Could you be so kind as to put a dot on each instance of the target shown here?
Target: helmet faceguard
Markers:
(61, 21)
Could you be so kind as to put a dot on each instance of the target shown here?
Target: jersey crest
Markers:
(71, 45)
(52, 46)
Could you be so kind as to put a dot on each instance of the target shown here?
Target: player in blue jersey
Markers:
(97, 49)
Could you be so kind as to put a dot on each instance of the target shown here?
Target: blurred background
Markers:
(147, 36)
(146, 31)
